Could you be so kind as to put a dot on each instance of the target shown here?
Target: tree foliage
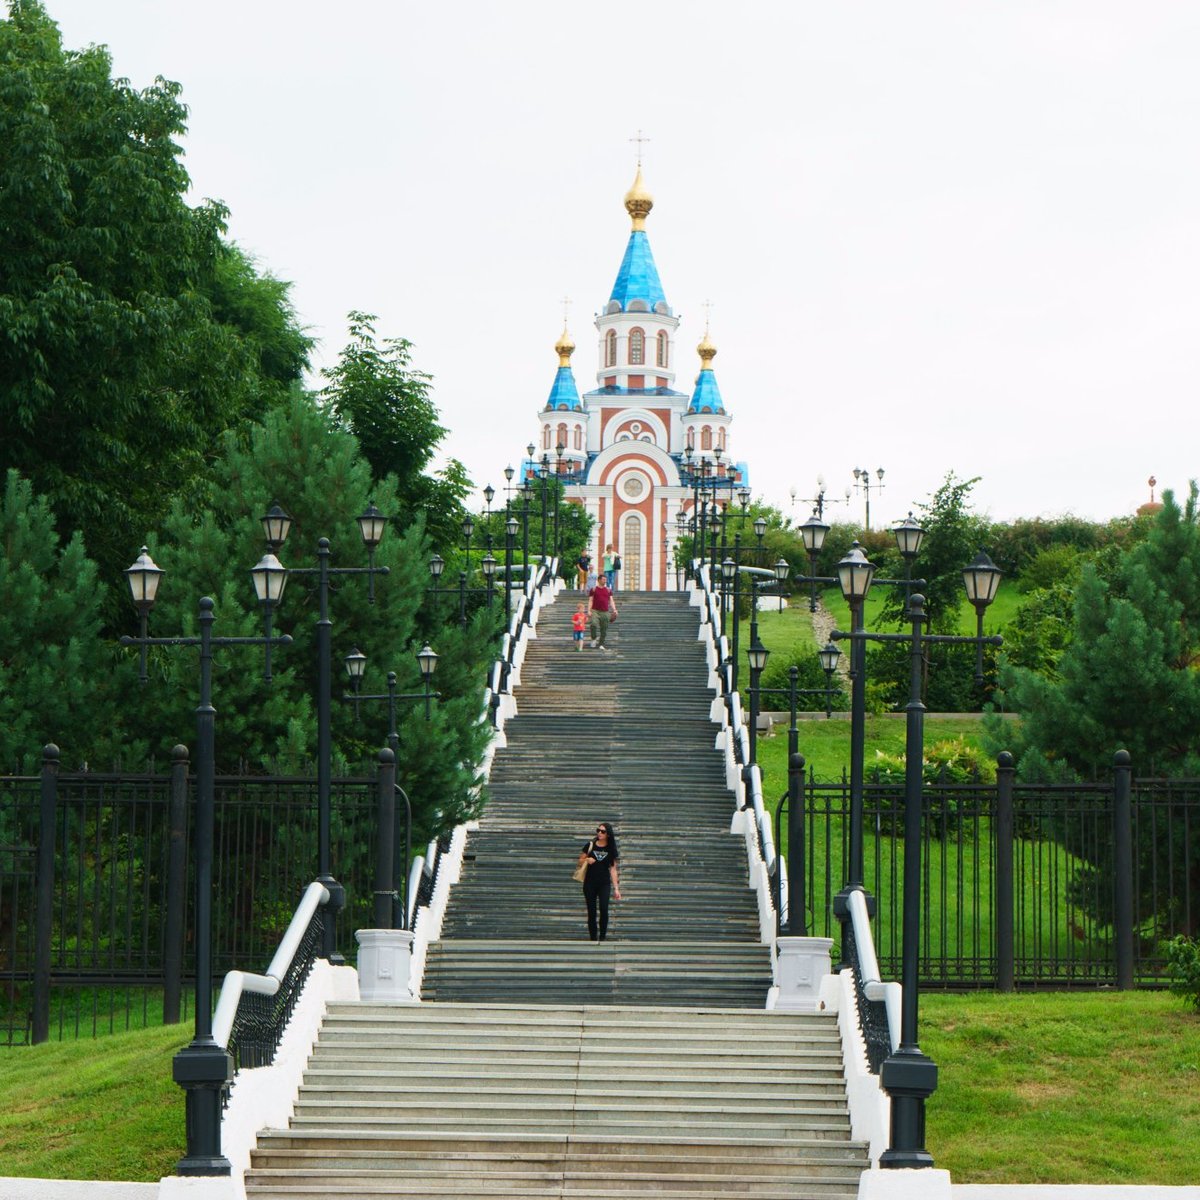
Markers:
(302, 461)
(133, 336)
(59, 681)
(377, 394)
(1128, 678)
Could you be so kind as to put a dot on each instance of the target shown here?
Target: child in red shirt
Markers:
(579, 624)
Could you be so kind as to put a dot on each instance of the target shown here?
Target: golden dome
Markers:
(564, 348)
(638, 201)
(707, 352)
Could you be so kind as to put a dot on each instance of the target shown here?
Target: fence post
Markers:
(1005, 969)
(176, 886)
(797, 876)
(385, 894)
(1123, 867)
(43, 922)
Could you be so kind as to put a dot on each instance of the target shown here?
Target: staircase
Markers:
(477, 1101)
(550, 1066)
(622, 736)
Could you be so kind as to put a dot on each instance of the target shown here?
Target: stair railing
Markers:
(253, 1010)
(744, 780)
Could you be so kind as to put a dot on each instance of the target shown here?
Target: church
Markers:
(632, 449)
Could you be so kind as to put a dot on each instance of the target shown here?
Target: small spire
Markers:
(638, 201)
(564, 348)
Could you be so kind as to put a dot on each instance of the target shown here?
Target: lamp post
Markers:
(510, 537)
(908, 1075)
(812, 535)
(544, 476)
(757, 655)
(855, 574)
(729, 574)
(388, 896)
(744, 500)
(981, 578)
(558, 451)
(203, 1068)
(909, 536)
(863, 483)
(468, 528)
(372, 525)
(760, 530)
(437, 564)
(681, 521)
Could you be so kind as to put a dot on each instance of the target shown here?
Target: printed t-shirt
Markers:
(600, 858)
(579, 621)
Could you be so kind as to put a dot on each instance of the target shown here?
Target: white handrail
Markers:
(238, 982)
(873, 986)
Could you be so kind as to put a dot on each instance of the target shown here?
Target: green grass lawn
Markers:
(1037, 1088)
(1099, 1088)
(93, 1109)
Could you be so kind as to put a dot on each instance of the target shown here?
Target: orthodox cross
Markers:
(639, 140)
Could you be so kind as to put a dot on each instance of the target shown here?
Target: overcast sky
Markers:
(935, 236)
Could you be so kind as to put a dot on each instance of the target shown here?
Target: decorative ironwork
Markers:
(872, 1014)
(260, 1021)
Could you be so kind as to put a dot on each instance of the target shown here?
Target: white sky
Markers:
(935, 235)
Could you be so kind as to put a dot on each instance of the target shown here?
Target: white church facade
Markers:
(632, 445)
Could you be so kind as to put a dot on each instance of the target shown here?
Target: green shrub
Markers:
(1183, 961)
(950, 761)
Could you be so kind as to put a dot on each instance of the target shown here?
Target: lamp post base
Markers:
(385, 966)
(203, 1070)
(909, 1077)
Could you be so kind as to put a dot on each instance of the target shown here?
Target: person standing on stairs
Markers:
(602, 609)
(610, 567)
(601, 880)
(579, 621)
(583, 566)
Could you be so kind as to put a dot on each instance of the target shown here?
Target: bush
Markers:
(1183, 961)
(948, 762)
(811, 676)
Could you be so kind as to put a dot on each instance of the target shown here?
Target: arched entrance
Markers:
(632, 553)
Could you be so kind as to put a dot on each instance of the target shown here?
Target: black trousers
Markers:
(596, 893)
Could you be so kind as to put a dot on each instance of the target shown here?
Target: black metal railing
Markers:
(260, 1019)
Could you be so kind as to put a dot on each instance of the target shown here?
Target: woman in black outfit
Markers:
(601, 879)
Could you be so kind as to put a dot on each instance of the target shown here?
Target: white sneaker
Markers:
(592, 643)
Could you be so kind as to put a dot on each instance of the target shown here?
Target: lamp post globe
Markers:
(981, 578)
(276, 526)
(372, 525)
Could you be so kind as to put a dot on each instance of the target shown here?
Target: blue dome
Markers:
(707, 396)
(638, 277)
(564, 393)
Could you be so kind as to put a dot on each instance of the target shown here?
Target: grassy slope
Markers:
(1078, 1088)
(102, 1109)
(1047, 1088)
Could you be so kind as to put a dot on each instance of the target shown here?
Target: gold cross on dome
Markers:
(566, 303)
(707, 306)
(639, 140)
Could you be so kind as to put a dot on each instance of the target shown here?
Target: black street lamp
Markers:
(203, 1068)
(757, 656)
(510, 537)
(862, 478)
(372, 525)
(909, 536)
(812, 534)
(908, 1075)
(855, 574)
(681, 522)
(760, 530)
(391, 896)
(468, 528)
(981, 578)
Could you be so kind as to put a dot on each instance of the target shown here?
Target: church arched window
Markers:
(637, 347)
(661, 357)
(721, 439)
(610, 348)
(546, 437)
(562, 437)
(691, 436)
(578, 437)
(706, 438)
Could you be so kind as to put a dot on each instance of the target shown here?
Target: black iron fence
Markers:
(1021, 885)
(111, 945)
